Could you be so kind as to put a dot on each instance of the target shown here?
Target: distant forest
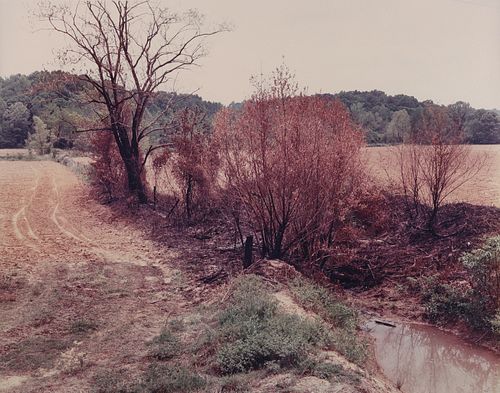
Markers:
(58, 100)
(384, 118)
(63, 102)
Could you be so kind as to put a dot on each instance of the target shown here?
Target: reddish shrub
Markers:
(293, 163)
(433, 164)
(195, 162)
(108, 177)
(187, 170)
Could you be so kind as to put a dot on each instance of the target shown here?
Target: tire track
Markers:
(40, 217)
(29, 237)
(31, 233)
(57, 221)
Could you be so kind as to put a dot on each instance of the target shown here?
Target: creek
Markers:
(423, 359)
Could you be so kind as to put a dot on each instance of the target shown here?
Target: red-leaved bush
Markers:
(187, 170)
(107, 176)
(293, 164)
(110, 178)
(195, 162)
(434, 163)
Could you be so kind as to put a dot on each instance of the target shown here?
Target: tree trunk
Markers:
(189, 196)
(131, 161)
(248, 254)
(135, 183)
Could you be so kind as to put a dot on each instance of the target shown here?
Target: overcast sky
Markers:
(443, 50)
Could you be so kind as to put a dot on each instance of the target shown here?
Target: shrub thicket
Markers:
(293, 163)
(343, 319)
(476, 302)
(483, 266)
(256, 334)
(444, 302)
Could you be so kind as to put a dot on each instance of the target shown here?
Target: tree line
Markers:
(59, 102)
(56, 99)
(388, 119)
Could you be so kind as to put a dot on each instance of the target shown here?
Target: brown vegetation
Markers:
(107, 175)
(382, 244)
(292, 164)
(195, 163)
(433, 163)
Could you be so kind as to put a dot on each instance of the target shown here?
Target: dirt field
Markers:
(484, 189)
(83, 291)
(78, 291)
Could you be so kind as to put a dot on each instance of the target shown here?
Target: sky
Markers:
(442, 50)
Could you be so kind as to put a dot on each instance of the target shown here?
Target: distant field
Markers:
(482, 190)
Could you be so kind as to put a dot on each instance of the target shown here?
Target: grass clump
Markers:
(159, 378)
(236, 383)
(443, 302)
(256, 334)
(165, 346)
(475, 301)
(327, 370)
(83, 326)
(166, 379)
(112, 382)
(343, 318)
(318, 299)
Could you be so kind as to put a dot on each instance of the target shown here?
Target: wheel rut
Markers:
(65, 259)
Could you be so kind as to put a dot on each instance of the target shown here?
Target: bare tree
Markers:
(131, 48)
(434, 163)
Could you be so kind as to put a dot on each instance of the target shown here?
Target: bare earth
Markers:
(82, 290)
(78, 292)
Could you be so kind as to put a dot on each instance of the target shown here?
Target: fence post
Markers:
(248, 255)
(154, 197)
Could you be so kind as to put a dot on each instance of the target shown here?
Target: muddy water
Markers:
(422, 359)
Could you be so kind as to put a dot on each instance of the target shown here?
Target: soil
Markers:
(82, 289)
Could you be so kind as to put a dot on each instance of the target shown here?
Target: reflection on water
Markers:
(422, 359)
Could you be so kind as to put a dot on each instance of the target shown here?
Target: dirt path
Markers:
(79, 293)
(82, 291)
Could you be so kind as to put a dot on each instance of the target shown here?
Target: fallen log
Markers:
(385, 323)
